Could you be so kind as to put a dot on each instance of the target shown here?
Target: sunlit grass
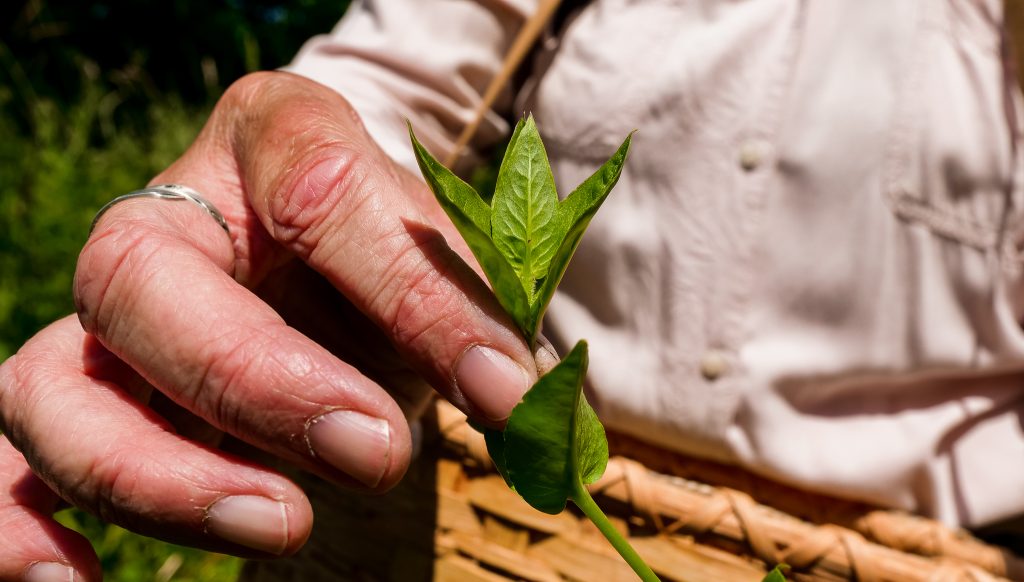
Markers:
(127, 557)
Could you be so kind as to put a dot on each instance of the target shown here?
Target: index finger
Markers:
(321, 187)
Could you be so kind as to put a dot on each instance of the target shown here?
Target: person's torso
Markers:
(816, 234)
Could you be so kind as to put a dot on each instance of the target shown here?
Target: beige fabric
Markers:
(810, 267)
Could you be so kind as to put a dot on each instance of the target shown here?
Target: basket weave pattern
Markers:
(453, 519)
(687, 529)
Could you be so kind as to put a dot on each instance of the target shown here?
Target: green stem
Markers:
(586, 503)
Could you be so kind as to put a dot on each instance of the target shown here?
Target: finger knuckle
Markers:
(331, 184)
(114, 487)
(110, 263)
(218, 391)
(326, 166)
(418, 295)
(268, 95)
(241, 96)
(119, 487)
(20, 378)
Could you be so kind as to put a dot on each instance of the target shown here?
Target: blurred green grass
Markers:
(127, 557)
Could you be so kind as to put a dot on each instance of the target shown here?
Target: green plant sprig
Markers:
(553, 445)
(524, 239)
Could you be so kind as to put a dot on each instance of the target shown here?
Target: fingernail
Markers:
(545, 355)
(50, 572)
(491, 381)
(353, 442)
(251, 521)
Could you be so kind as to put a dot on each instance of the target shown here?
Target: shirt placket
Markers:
(753, 168)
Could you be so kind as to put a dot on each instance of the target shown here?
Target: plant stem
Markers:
(581, 497)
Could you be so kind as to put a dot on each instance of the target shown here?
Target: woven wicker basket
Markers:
(454, 520)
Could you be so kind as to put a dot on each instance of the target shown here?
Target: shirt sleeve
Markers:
(426, 61)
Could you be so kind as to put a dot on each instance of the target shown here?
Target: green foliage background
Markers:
(95, 98)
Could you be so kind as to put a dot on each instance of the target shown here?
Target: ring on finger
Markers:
(166, 192)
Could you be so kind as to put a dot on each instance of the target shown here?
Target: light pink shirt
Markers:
(811, 264)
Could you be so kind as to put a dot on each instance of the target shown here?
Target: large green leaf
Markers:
(573, 216)
(553, 440)
(471, 217)
(523, 208)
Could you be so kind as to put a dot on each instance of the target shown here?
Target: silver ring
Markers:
(166, 192)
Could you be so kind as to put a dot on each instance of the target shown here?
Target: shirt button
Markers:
(752, 153)
(713, 365)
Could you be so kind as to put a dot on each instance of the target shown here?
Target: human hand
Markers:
(305, 191)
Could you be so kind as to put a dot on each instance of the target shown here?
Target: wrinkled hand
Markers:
(337, 281)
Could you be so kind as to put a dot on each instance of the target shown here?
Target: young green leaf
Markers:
(573, 216)
(524, 205)
(525, 238)
(471, 217)
(775, 575)
(553, 441)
